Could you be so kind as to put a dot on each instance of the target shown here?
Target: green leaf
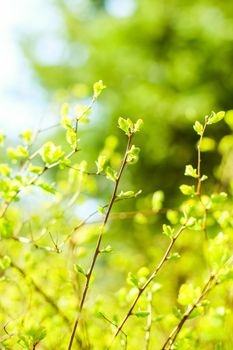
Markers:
(17, 153)
(215, 117)
(98, 87)
(133, 155)
(157, 200)
(190, 171)
(168, 231)
(219, 197)
(5, 170)
(173, 256)
(26, 136)
(5, 262)
(107, 249)
(66, 122)
(187, 294)
(111, 174)
(50, 153)
(100, 164)
(191, 221)
(47, 187)
(124, 195)
(198, 127)
(101, 210)
(22, 151)
(141, 314)
(138, 125)
(79, 269)
(187, 190)
(204, 177)
(71, 138)
(133, 280)
(35, 169)
(177, 312)
(123, 125)
(6, 228)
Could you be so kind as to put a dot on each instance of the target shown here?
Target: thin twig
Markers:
(212, 281)
(199, 159)
(97, 249)
(149, 280)
(149, 321)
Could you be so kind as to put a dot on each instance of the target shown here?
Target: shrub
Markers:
(62, 284)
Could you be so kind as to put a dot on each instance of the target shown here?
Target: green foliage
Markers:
(74, 278)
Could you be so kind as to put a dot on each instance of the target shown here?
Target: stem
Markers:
(149, 280)
(176, 330)
(97, 249)
(149, 321)
(199, 160)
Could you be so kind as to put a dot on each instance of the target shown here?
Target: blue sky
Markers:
(23, 102)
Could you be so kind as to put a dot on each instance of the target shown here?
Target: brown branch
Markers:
(149, 280)
(149, 321)
(199, 159)
(97, 249)
(212, 281)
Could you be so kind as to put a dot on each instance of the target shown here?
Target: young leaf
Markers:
(204, 177)
(190, 171)
(133, 280)
(100, 164)
(79, 269)
(98, 87)
(173, 256)
(215, 117)
(111, 174)
(124, 195)
(6, 228)
(5, 170)
(123, 125)
(47, 187)
(157, 200)
(5, 262)
(26, 136)
(50, 153)
(141, 314)
(107, 249)
(101, 210)
(133, 154)
(168, 231)
(35, 169)
(191, 221)
(198, 127)
(138, 125)
(71, 138)
(187, 294)
(187, 190)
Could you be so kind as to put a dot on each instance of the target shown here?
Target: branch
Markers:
(211, 282)
(97, 249)
(149, 280)
(199, 159)
(149, 321)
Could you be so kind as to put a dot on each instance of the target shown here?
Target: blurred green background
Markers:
(167, 62)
